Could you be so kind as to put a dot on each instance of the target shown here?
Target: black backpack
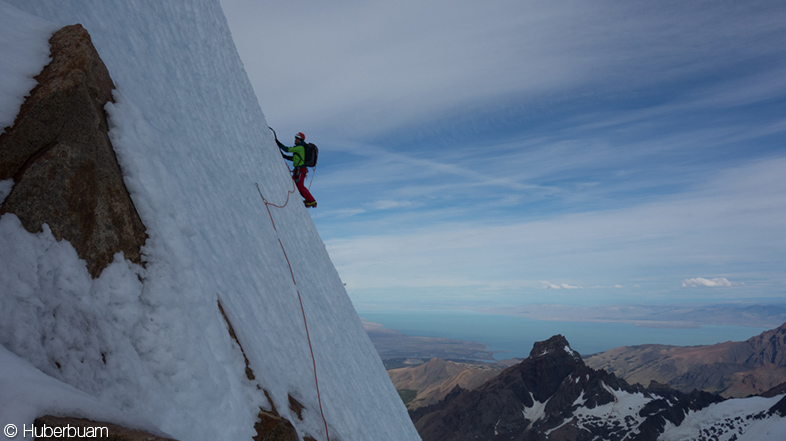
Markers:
(311, 155)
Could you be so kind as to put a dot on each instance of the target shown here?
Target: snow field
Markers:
(736, 417)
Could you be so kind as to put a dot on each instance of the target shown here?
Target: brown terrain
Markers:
(433, 380)
(730, 369)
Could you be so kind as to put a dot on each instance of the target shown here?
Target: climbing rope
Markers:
(268, 204)
(300, 299)
(313, 173)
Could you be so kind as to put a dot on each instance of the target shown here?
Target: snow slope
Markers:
(150, 342)
(742, 419)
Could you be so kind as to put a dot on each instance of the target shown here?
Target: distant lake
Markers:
(516, 335)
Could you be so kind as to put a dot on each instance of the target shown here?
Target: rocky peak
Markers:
(553, 395)
(549, 363)
(512, 401)
(62, 163)
(556, 346)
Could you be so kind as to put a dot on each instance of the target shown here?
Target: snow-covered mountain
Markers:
(146, 345)
(553, 395)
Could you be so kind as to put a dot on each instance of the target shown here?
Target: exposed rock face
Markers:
(64, 168)
(732, 369)
(768, 348)
(271, 427)
(553, 395)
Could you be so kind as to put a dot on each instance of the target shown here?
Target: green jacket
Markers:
(298, 154)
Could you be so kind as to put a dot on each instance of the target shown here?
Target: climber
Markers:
(299, 164)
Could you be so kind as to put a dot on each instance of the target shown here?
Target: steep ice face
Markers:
(192, 142)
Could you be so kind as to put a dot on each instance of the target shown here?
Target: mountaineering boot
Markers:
(312, 204)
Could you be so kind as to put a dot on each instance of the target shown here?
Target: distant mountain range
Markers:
(731, 369)
(553, 395)
(430, 382)
(654, 316)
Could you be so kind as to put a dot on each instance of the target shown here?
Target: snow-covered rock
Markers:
(146, 345)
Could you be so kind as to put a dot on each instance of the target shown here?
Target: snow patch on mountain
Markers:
(536, 411)
(731, 420)
(622, 413)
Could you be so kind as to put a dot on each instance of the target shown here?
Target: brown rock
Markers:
(271, 427)
(59, 155)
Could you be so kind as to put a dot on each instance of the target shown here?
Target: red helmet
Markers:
(300, 136)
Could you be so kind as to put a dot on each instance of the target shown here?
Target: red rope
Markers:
(300, 299)
(277, 206)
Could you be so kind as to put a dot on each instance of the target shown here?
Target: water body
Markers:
(514, 336)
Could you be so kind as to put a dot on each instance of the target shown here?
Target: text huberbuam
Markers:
(67, 431)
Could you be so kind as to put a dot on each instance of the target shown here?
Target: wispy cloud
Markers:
(711, 283)
(380, 65)
(388, 204)
(723, 223)
(549, 285)
(503, 147)
(545, 284)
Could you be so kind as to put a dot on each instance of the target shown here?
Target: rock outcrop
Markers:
(64, 169)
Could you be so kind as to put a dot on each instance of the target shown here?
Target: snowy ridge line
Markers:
(300, 299)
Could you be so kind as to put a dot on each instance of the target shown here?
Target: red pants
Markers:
(299, 176)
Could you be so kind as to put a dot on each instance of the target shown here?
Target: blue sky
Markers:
(519, 152)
